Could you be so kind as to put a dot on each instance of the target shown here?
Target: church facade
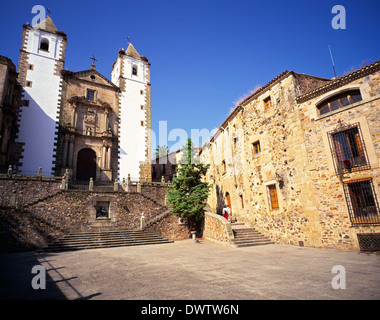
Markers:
(81, 122)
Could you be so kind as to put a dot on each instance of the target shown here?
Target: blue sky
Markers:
(205, 54)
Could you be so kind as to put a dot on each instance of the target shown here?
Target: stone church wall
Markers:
(60, 211)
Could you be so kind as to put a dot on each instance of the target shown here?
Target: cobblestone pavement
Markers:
(192, 271)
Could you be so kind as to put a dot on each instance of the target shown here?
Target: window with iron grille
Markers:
(348, 149)
(362, 202)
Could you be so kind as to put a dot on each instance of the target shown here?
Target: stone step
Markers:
(238, 244)
(247, 236)
(102, 239)
(95, 239)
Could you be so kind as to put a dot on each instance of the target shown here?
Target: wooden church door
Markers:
(86, 165)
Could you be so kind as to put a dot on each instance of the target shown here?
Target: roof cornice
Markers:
(340, 82)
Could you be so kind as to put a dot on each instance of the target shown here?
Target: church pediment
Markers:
(92, 76)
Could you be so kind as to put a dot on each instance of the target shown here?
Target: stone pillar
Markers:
(105, 120)
(108, 157)
(104, 156)
(91, 185)
(73, 119)
(9, 172)
(142, 221)
(139, 187)
(115, 186)
(71, 152)
(65, 149)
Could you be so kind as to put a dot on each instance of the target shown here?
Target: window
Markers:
(362, 202)
(31, 66)
(44, 44)
(29, 83)
(142, 123)
(141, 91)
(256, 148)
(349, 151)
(242, 201)
(224, 166)
(272, 197)
(134, 70)
(91, 95)
(142, 107)
(339, 101)
(267, 103)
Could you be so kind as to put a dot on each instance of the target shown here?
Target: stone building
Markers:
(10, 92)
(272, 162)
(87, 143)
(81, 121)
(165, 166)
(340, 122)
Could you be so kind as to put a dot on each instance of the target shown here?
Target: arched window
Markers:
(44, 44)
(338, 101)
(134, 70)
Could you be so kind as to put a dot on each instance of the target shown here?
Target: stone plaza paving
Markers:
(184, 270)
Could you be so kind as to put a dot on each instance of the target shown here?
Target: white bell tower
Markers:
(131, 73)
(42, 58)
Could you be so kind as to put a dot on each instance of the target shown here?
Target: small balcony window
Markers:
(348, 149)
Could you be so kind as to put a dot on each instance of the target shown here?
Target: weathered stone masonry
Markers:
(273, 160)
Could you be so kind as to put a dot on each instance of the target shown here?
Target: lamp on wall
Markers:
(279, 180)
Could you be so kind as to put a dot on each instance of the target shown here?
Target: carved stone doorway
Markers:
(86, 165)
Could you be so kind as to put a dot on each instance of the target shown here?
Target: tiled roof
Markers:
(339, 82)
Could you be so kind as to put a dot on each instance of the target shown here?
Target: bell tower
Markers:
(42, 57)
(131, 73)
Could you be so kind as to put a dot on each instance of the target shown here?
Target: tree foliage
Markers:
(188, 192)
(161, 151)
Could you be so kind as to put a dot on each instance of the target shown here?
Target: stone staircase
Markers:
(103, 239)
(247, 236)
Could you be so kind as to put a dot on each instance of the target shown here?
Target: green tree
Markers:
(188, 192)
(161, 151)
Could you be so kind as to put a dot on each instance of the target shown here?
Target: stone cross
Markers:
(93, 61)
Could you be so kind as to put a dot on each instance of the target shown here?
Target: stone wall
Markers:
(336, 229)
(60, 212)
(170, 228)
(217, 229)
(245, 175)
(294, 158)
(32, 190)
